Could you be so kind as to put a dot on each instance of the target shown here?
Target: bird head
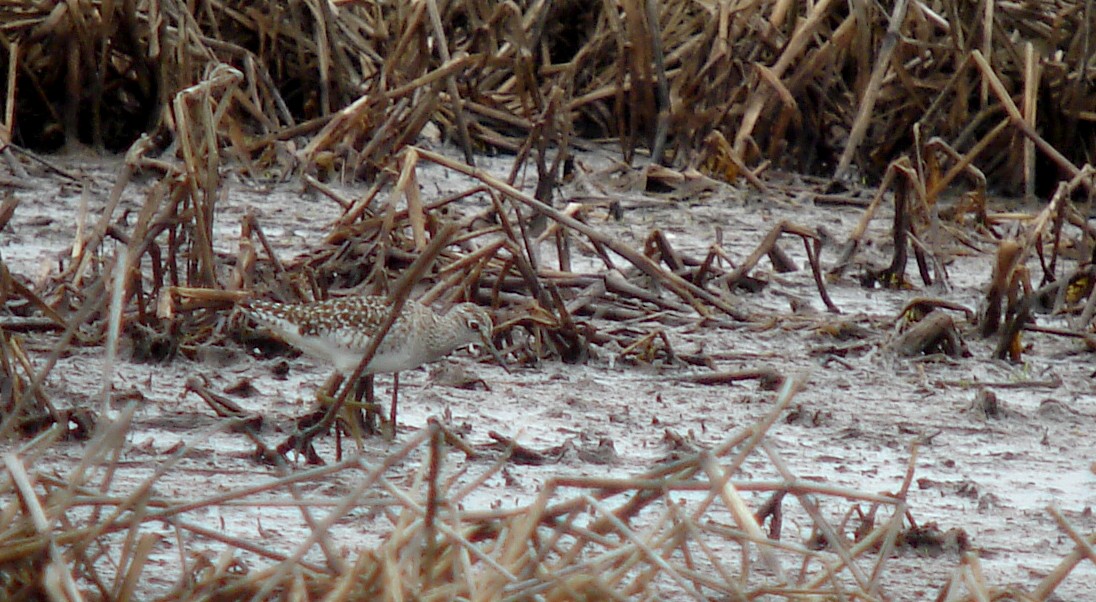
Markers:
(478, 326)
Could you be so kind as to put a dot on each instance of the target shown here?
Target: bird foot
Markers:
(354, 423)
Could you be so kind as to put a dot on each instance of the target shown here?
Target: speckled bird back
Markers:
(339, 330)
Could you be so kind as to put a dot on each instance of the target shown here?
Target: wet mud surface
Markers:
(998, 442)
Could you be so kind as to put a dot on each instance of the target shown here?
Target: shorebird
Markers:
(339, 330)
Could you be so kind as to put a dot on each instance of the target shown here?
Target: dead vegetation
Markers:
(1000, 95)
(818, 88)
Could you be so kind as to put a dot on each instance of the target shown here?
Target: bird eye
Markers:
(474, 324)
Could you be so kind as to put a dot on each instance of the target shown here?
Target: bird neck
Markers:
(448, 334)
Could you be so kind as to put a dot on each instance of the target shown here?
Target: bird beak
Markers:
(486, 338)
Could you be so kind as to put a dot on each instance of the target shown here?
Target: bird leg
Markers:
(350, 420)
(365, 389)
(347, 421)
(395, 396)
(331, 387)
(373, 422)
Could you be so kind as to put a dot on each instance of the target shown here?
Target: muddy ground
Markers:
(852, 425)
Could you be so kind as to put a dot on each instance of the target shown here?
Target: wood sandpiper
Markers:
(339, 330)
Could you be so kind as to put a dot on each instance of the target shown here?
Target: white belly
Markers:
(345, 359)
